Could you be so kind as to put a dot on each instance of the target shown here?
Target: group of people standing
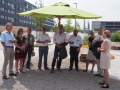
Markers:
(24, 45)
(99, 47)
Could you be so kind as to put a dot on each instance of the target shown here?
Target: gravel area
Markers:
(65, 80)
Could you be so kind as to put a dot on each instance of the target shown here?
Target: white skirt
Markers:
(90, 56)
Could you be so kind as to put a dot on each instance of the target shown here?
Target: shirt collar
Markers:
(7, 32)
(43, 34)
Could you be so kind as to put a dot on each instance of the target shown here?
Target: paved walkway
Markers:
(65, 80)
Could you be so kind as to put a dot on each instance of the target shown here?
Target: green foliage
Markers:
(115, 37)
(39, 22)
(78, 27)
(55, 27)
(68, 27)
(85, 40)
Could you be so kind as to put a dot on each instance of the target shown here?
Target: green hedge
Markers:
(85, 40)
(115, 37)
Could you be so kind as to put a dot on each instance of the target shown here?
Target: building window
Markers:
(8, 4)
(8, 11)
(1, 16)
(1, 9)
(3, 2)
(5, 10)
(117, 23)
(5, 17)
(12, 6)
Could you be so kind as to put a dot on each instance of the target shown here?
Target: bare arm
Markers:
(3, 44)
(104, 49)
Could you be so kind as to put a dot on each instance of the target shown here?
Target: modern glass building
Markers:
(109, 25)
(10, 8)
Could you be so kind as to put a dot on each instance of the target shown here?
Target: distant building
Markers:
(109, 25)
(9, 10)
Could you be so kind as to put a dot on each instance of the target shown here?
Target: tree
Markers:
(54, 27)
(78, 27)
(68, 27)
(39, 22)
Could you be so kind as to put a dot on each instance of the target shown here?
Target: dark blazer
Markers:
(94, 50)
(63, 51)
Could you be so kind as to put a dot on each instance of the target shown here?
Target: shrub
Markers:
(115, 37)
(85, 40)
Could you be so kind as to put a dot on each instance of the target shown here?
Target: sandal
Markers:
(22, 71)
(105, 85)
(17, 72)
(101, 83)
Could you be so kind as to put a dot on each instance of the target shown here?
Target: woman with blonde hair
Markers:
(105, 58)
(20, 53)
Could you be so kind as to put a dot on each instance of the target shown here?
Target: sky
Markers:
(108, 9)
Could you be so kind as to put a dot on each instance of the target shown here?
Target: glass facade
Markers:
(111, 25)
(10, 8)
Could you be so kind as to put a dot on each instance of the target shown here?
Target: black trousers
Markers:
(29, 52)
(73, 57)
(56, 52)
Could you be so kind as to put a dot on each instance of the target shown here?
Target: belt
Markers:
(74, 47)
(10, 46)
(43, 46)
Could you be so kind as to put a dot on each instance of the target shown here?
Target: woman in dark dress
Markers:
(20, 53)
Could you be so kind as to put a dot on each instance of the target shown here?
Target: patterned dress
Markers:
(20, 54)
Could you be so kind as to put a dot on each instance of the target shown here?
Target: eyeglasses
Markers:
(91, 33)
(44, 29)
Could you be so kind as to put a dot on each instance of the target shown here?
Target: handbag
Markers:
(33, 53)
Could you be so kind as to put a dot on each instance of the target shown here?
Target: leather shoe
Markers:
(101, 76)
(77, 70)
(59, 70)
(69, 69)
(39, 69)
(97, 74)
(12, 74)
(46, 68)
(27, 67)
(52, 71)
(5, 77)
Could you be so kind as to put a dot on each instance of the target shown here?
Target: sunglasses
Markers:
(44, 29)
(91, 33)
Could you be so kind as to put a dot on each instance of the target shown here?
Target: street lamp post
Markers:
(75, 18)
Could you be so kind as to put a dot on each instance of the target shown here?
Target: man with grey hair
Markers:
(99, 38)
(7, 40)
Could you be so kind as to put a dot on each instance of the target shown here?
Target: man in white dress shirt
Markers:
(75, 42)
(59, 37)
(96, 39)
(43, 39)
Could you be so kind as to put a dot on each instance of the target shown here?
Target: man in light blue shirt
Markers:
(7, 40)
